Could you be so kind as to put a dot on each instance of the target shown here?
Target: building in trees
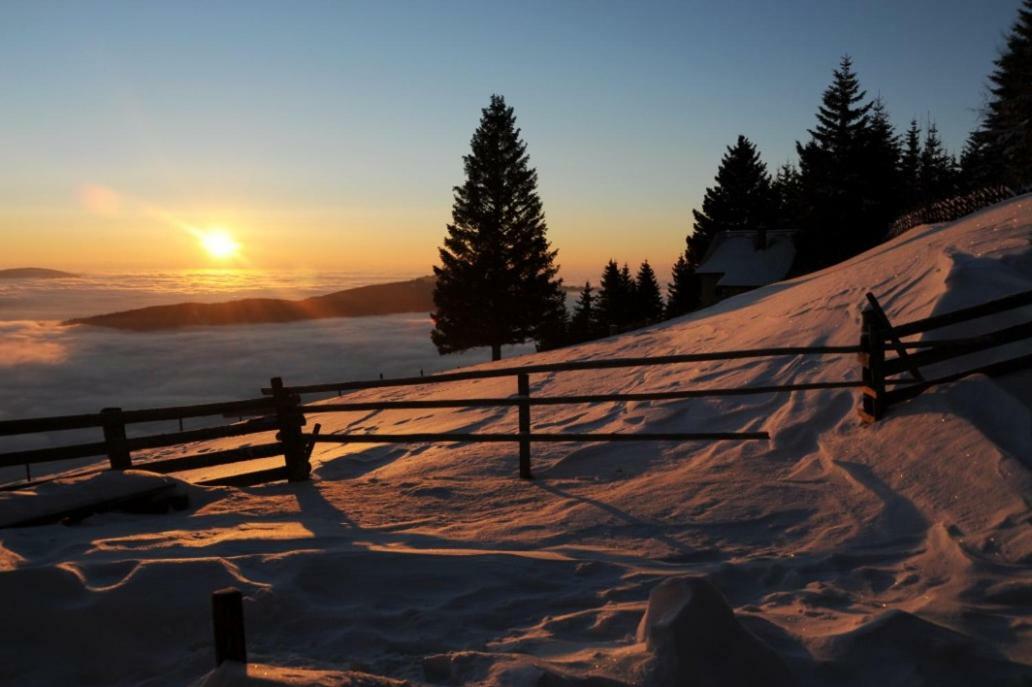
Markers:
(737, 262)
(497, 282)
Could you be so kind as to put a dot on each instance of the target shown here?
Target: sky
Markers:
(329, 135)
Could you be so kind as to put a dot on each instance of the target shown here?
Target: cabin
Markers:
(740, 261)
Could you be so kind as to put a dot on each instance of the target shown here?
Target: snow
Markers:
(734, 255)
(898, 553)
(57, 497)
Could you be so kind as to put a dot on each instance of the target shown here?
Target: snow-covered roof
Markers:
(734, 255)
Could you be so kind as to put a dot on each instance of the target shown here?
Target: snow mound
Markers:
(898, 553)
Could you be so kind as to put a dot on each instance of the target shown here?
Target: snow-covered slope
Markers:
(899, 553)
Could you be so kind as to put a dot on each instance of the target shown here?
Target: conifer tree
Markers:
(1005, 148)
(648, 300)
(583, 325)
(497, 280)
(683, 290)
(629, 288)
(910, 166)
(740, 200)
(835, 170)
(554, 331)
(976, 168)
(786, 190)
(882, 179)
(937, 170)
(613, 298)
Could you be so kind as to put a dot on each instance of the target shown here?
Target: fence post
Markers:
(523, 390)
(114, 437)
(227, 615)
(291, 419)
(872, 341)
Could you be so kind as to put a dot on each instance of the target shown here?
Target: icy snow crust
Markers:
(894, 554)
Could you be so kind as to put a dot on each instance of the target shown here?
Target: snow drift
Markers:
(898, 553)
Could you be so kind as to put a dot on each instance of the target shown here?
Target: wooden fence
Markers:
(904, 373)
(280, 409)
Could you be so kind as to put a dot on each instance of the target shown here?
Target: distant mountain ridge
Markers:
(415, 295)
(33, 273)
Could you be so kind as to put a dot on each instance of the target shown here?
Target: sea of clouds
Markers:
(51, 369)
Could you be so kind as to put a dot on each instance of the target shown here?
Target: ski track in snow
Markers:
(850, 550)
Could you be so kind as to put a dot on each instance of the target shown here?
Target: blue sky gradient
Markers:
(342, 124)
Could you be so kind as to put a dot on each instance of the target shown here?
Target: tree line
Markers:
(497, 282)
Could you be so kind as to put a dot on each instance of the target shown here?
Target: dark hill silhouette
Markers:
(415, 295)
(33, 273)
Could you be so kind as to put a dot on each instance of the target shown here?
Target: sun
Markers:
(219, 244)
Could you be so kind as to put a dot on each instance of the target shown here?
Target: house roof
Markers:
(733, 254)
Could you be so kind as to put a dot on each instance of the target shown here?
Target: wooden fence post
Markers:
(114, 438)
(227, 615)
(291, 419)
(872, 341)
(523, 389)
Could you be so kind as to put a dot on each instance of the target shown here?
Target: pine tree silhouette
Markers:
(497, 280)
(613, 298)
(937, 171)
(835, 166)
(648, 300)
(583, 325)
(787, 192)
(683, 290)
(1003, 146)
(741, 199)
(882, 181)
(910, 166)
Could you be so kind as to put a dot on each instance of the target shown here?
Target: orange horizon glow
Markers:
(104, 229)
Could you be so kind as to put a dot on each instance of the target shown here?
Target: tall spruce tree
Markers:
(629, 287)
(741, 199)
(583, 324)
(976, 168)
(648, 300)
(937, 170)
(497, 280)
(882, 178)
(832, 166)
(614, 296)
(910, 166)
(787, 192)
(1004, 145)
(683, 289)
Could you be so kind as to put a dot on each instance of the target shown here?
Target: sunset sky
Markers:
(328, 135)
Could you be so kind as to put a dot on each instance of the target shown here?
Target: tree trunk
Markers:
(496, 352)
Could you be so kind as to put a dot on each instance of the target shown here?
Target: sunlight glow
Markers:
(219, 244)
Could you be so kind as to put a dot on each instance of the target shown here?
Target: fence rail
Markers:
(885, 381)
(879, 336)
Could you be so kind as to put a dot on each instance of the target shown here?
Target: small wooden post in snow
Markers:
(114, 438)
(291, 419)
(227, 615)
(523, 390)
(872, 341)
